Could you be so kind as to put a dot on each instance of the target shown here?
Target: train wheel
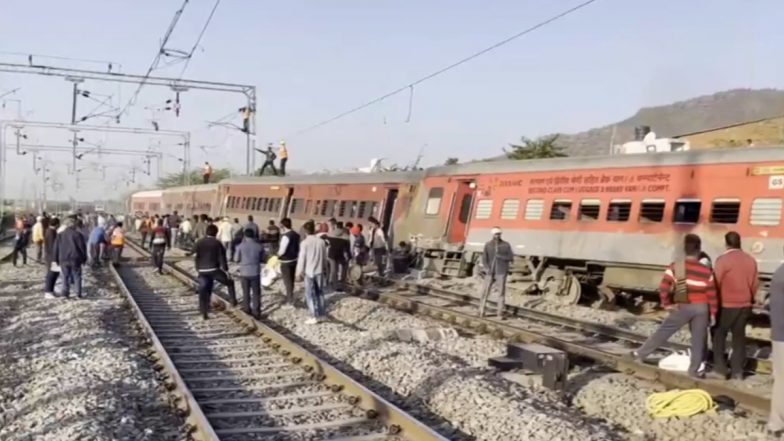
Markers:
(564, 291)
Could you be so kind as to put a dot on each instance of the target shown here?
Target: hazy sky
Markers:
(313, 59)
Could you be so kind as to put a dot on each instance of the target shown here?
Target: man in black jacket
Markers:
(338, 255)
(50, 236)
(211, 264)
(70, 253)
(288, 253)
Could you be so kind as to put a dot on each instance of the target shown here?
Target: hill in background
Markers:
(698, 114)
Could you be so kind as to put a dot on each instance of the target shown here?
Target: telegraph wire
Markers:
(447, 68)
(156, 60)
(198, 40)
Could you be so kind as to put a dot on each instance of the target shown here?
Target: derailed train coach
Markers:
(606, 226)
(597, 227)
(353, 197)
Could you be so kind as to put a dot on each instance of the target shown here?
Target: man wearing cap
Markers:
(496, 259)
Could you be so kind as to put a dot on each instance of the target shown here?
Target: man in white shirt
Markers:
(377, 242)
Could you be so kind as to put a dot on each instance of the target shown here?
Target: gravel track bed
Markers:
(73, 369)
(446, 378)
(261, 380)
(450, 378)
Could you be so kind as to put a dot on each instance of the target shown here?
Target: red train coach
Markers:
(610, 223)
(348, 197)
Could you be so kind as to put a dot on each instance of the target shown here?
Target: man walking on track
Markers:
(206, 173)
(737, 282)
(211, 264)
(776, 419)
(160, 239)
(250, 256)
(688, 291)
(496, 259)
(70, 253)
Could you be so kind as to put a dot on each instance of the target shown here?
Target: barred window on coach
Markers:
(589, 209)
(484, 209)
(534, 208)
(652, 210)
(561, 209)
(765, 212)
(725, 211)
(687, 211)
(619, 210)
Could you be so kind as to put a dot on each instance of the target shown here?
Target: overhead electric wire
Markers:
(447, 68)
(157, 58)
(198, 40)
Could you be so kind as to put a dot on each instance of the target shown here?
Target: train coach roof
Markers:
(147, 194)
(200, 187)
(691, 157)
(342, 178)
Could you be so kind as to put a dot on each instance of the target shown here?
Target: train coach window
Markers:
(534, 209)
(560, 209)
(725, 211)
(373, 210)
(510, 208)
(619, 210)
(484, 208)
(434, 197)
(352, 209)
(589, 209)
(295, 206)
(308, 206)
(361, 209)
(342, 208)
(765, 211)
(652, 210)
(687, 211)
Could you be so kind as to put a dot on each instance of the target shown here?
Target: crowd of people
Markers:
(712, 299)
(64, 247)
(318, 254)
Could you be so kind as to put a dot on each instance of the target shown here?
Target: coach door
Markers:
(460, 212)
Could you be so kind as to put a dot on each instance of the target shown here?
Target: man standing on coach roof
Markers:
(737, 282)
(496, 259)
(206, 172)
(211, 264)
(688, 291)
(250, 256)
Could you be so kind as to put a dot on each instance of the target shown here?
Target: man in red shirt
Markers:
(688, 291)
(737, 282)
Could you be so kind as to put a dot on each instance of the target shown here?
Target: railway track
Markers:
(237, 379)
(605, 345)
(758, 351)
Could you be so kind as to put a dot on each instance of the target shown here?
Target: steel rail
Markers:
(185, 399)
(758, 361)
(397, 422)
(503, 329)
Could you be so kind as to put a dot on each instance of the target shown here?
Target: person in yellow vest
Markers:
(118, 242)
(284, 157)
(40, 226)
(206, 173)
